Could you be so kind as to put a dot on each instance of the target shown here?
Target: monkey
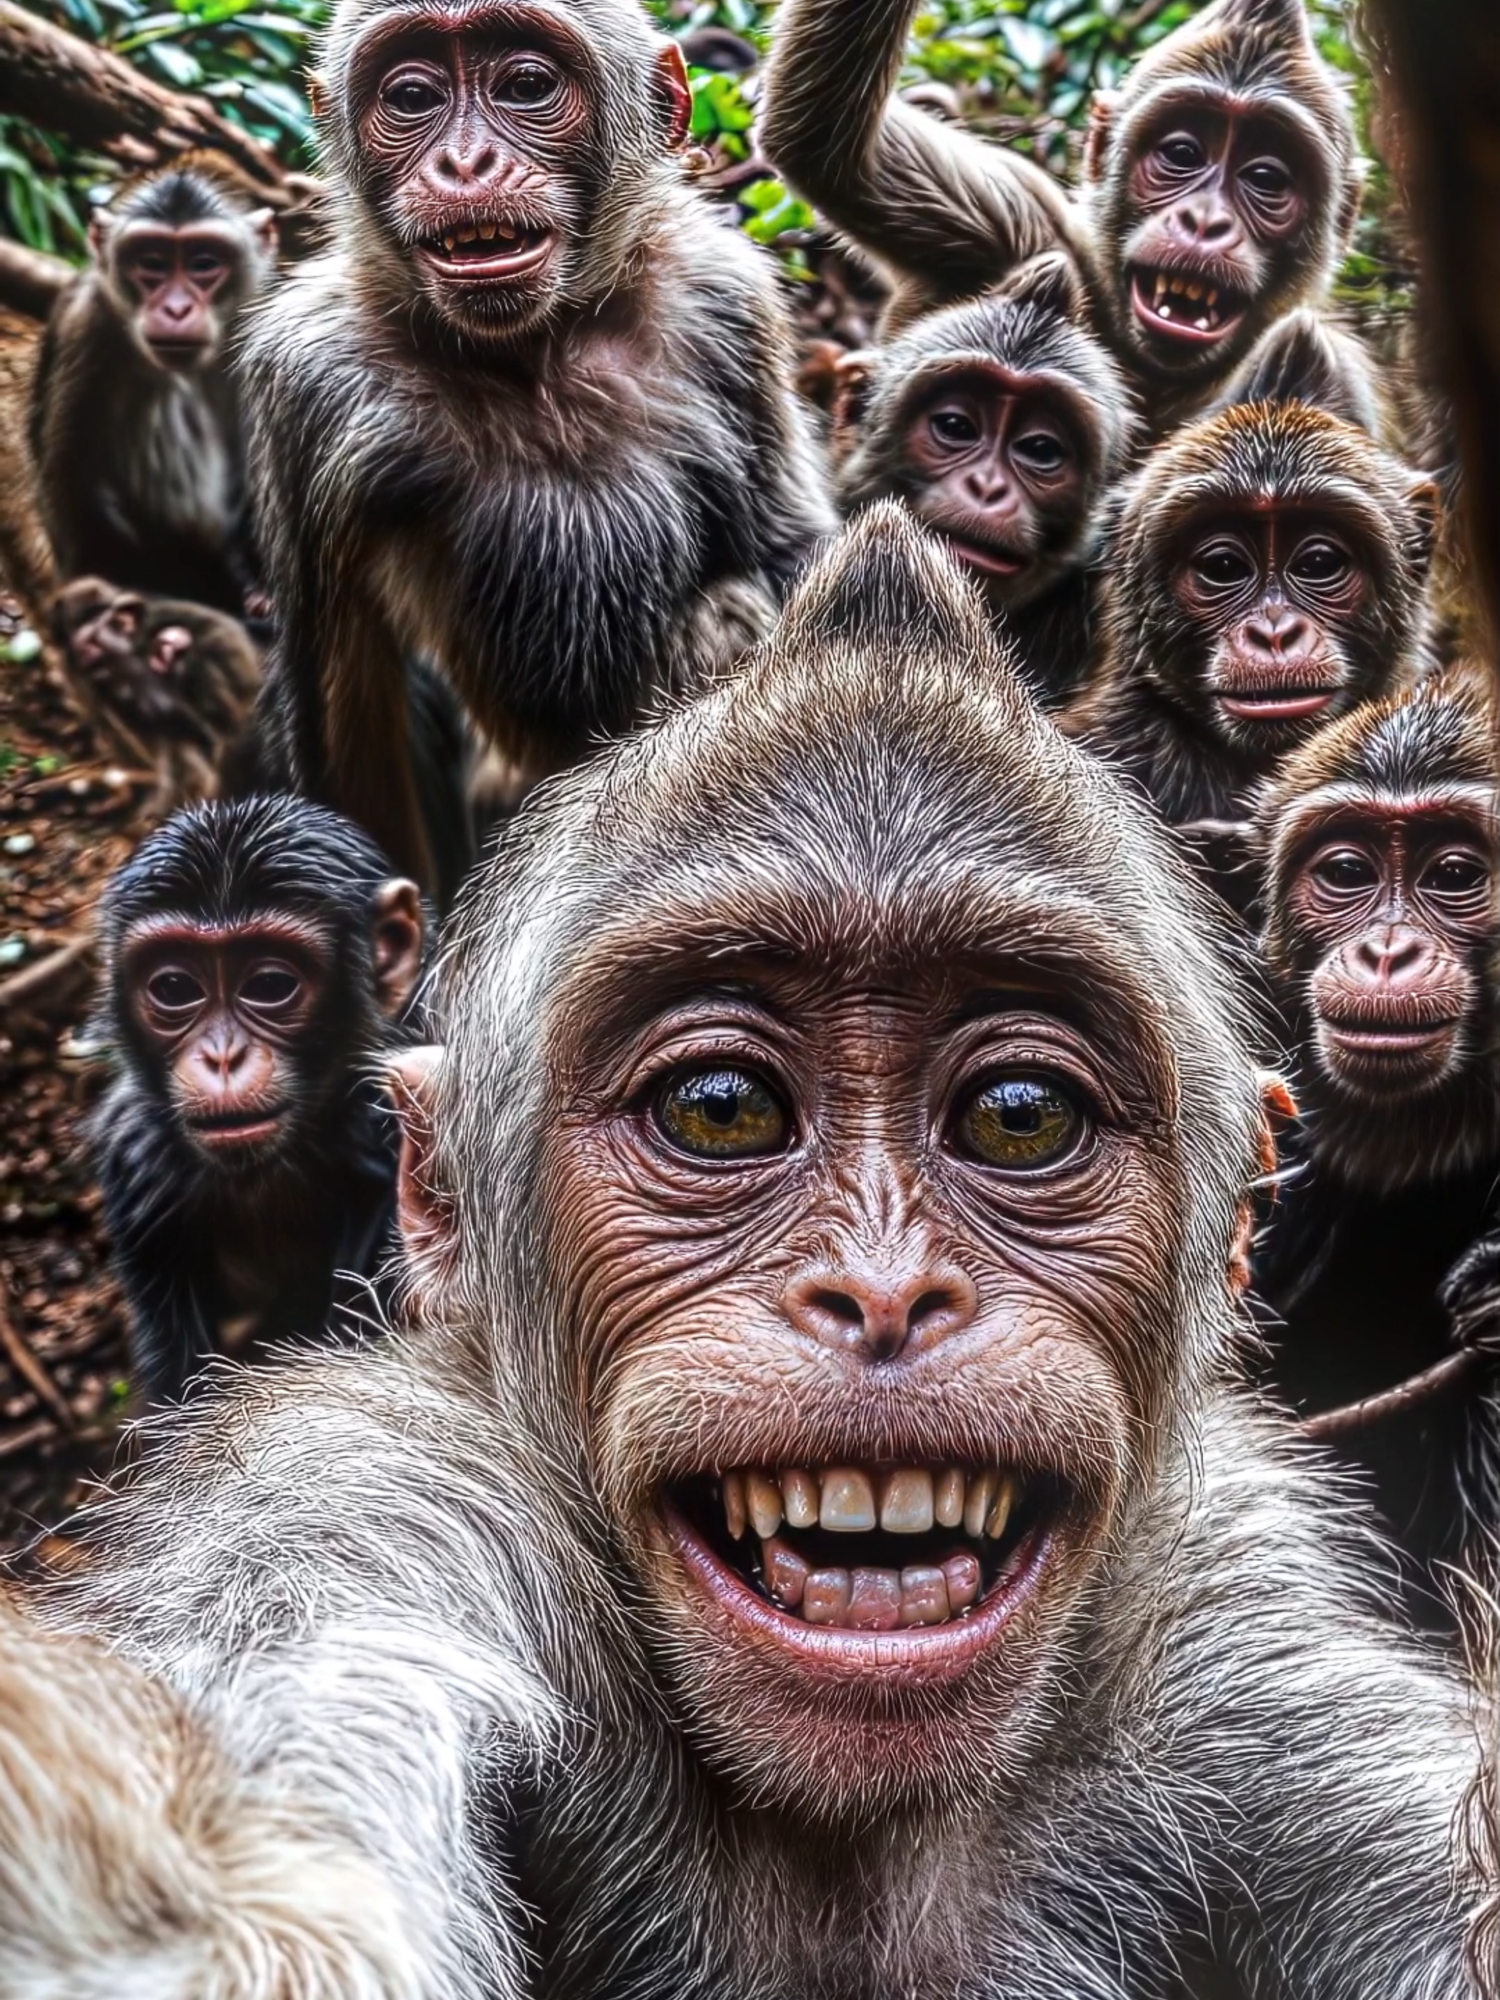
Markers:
(257, 957)
(1266, 571)
(1002, 424)
(545, 431)
(842, 1067)
(1221, 183)
(135, 419)
(172, 671)
(712, 46)
(1379, 842)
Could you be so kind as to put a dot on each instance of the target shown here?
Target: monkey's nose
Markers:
(876, 1315)
(465, 166)
(1279, 631)
(1393, 955)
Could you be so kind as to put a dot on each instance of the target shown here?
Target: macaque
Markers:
(530, 418)
(135, 419)
(811, 1537)
(1380, 845)
(1002, 425)
(173, 672)
(259, 956)
(1220, 183)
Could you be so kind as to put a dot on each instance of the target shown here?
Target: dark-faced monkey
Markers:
(173, 672)
(1381, 853)
(1002, 424)
(814, 1540)
(532, 415)
(258, 957)
(1221, 183)
(1267, 571)
(135, 421)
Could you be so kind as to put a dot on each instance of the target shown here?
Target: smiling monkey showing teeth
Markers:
(811, 1540)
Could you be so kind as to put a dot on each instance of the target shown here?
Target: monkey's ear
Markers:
(1100, 132)
(399, 929)
(1426, 503)
(317, 94)
(268, 234)
(674, 94)
(1050, 282)
(854, 377)
(98, 234)
(424, 1214)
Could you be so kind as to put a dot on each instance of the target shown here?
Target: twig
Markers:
(33, 979)
(20, 1441)
(30, 1369)
(1391, 1402)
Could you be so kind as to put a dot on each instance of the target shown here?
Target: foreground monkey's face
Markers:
(1387, 915)
(483, 145)
(993, 463)
(1216, 214)
(874, 1341)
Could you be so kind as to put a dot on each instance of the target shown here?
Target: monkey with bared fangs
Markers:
(259, 957)
(1221, 183)
(1267, 569)
(811, 1537)
(1380, 847)
(1002, 424)
(530, 417)
(135, 420)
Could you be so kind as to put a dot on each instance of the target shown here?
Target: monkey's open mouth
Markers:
(985, 557)
(238, 1128)
(488, 251)
(1184, 307)
(901, 1549)
(1281, 704)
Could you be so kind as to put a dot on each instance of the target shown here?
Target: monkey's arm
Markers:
(932, 203)
(331, 1584)
(138, 1863)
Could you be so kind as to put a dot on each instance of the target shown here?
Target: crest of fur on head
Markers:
(877, 773)
(1030, 326)
(1259, 54)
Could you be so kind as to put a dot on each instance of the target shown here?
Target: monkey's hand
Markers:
(137, 1864)
(1470, 1295)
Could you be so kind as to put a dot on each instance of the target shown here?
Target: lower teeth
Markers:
(870, 1600)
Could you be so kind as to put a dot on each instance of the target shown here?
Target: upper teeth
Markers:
(1168, 287)
(849, 1501)
(479, 232)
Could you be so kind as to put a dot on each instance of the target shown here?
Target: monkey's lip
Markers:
(1184, 306)
(486, 251)
(877, 1613)
(238, 1128)
(985, 556)
(177, 353)
(1277, 704)
(1371, 1036)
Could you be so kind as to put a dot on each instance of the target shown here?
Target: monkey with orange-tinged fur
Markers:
(530, 417)
(1221, 183)
(811, 1539)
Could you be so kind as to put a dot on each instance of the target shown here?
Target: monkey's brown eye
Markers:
(1345, 869)
(205, 266)
(1223, 566)
(1267, 177)
(1456, 874)
(172, 991)
(1181, 152)
(411, 96)
(723, 1114)
(1319, 562)
(271, 986)
(1042, 451)
(1020, 1122)
(953, 427)
(527, 85)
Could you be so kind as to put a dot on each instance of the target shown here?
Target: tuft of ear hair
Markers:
(1051, 282)
(1303, 359)
(1276, 17)
(887, 584)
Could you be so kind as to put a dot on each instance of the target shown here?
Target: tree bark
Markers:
(29, 279)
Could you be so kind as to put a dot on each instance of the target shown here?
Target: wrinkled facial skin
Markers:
(1391, 914)
(1275, 601)
(994, 467)
(225, 1018)
(1218, 213)
(179, 287)
(869, 1285)
(484, 150)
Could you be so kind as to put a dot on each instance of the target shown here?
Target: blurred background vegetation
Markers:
(1023, 70)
